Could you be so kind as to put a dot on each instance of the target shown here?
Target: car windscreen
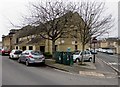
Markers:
(83, 53)
(5, 49)
(18, 52)
(36, 53)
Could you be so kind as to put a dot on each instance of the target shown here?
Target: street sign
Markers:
(94, 40)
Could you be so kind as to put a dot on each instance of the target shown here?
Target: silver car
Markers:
(87, 56)
(14, 54)
(31, 56)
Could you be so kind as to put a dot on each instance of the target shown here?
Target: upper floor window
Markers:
(17, 40)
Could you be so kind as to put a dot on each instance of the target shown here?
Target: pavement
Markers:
(88, 69)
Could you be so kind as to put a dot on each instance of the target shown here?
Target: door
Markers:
(56, 47)
(83, 53)
(87, 55)
(76, 47)
(42, 49)
(24, 48)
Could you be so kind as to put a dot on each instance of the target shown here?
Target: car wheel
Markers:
(19, 61)
(12, 57)
(9, 57)
(90, 59)
(77, 60)
(43, 63)
(27, 63)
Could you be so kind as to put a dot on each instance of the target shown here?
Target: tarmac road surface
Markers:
(14, 73)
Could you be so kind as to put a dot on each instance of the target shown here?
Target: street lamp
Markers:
(61, 42)
(91, 19)
(73, 42)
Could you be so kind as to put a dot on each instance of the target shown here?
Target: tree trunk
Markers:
(83, 48)
(53, 49)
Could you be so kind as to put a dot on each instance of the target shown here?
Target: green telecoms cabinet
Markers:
(58, 57)
(67, 58)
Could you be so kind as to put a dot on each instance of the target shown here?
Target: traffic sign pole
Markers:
(94, 41)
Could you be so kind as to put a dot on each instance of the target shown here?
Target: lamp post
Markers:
(91, 20)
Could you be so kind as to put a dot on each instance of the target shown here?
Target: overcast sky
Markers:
(11, 10)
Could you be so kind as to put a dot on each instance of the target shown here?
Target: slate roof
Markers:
(35, 40)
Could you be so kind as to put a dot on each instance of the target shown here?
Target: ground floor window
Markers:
(76, 47)
(24, 48)
(30, 47)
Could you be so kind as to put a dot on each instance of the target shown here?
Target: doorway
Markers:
(42, 49)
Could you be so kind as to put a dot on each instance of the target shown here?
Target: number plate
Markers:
(38, 61)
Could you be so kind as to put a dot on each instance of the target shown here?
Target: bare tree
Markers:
(51, 18)
(96, 22)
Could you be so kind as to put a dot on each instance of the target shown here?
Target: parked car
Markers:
(93, 51)
(100, 49)
(87, 56)
(104, 50)
(14, 54)
(5, 51)
(31, 56)
(109, 51)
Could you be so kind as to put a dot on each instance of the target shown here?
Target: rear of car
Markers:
(5, 51)
(109, 51)
(31, 57)
(14, 54)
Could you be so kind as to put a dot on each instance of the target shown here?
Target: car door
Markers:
(22, 57)
(26, 54)
(82, 54)
(87, 54)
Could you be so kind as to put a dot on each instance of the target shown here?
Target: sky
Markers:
(11, 11)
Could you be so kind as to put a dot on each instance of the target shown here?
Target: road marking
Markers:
(111, 66)
(112, 63)
(88, 73)
(84, 73)
(100, 62)
(65, 72)
(114, 56)
(91, 73)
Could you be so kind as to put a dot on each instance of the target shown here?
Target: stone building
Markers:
(7, 39)
(109, 43)
(28, 38)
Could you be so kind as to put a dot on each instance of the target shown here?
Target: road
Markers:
(111, 60)
(14, 73)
